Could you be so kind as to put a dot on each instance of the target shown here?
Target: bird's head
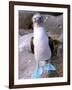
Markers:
(37, 18)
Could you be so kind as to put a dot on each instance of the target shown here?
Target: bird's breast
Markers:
(41, 46)
(40, 37)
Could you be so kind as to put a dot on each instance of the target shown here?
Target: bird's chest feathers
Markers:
(40, 38)
(39, 33)
(41, 46)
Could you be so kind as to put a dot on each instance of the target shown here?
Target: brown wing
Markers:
(32, 45)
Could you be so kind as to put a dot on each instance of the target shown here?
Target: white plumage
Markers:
(41, 46)
(42, 50)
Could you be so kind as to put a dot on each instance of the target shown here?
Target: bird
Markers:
(42, 51)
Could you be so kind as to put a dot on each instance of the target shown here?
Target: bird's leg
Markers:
(37, 64)
(48, 66)
(48, 61)
(38, 71)
(42, 64)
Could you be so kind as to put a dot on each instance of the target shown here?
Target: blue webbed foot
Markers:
(37, 73)
(49, 67)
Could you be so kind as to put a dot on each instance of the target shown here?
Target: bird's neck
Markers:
(36, 25)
